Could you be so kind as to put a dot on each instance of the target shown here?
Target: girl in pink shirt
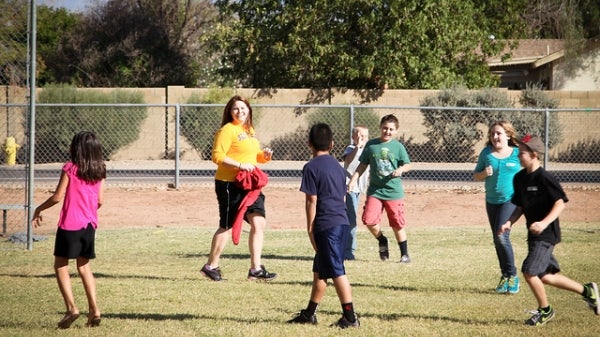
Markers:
(81, 185)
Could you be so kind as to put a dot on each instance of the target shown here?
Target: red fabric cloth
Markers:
(252, 182)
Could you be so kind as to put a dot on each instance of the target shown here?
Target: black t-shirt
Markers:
(536, 193)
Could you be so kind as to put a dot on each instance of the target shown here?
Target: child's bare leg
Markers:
(400, 234)
(375, 230)
(342, 288)
(562, 282)
(537, 287)
(318, 289)
(89, 284)
(61, 269)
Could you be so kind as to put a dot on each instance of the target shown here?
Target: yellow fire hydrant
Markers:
(10, 149)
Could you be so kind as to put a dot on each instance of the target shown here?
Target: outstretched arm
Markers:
(54, 199)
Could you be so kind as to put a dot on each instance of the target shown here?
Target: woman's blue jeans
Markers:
(497, 216)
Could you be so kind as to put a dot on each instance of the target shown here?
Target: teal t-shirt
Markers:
(383, 158)
(499, 186)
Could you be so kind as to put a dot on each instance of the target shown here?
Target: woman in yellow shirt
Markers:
(236, 148)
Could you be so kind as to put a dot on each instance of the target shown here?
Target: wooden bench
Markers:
(5, 208)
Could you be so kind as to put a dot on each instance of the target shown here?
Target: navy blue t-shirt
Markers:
(324, 177)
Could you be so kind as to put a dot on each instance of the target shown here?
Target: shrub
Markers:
(584, 151)
(55, 125)
(534, 123)
(339, 120)
(200, 123)
(452, 133)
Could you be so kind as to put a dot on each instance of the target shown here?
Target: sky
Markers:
(71, 5)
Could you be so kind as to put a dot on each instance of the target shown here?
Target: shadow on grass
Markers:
(181, 317)
(247, 256)
(97, 275)
(424, 317)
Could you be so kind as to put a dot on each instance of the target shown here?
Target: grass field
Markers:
(149, 285)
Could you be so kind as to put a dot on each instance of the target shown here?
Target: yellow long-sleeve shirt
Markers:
(236, 142)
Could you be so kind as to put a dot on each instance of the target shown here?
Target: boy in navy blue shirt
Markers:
(324, 183)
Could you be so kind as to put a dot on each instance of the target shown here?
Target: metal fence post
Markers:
(177, 120)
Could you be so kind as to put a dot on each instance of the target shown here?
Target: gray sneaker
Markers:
(213, 274)
(262, 274)
(405, 259)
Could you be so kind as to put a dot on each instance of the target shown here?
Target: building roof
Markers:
(534, 52)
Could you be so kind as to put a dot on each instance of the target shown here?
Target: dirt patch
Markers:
(197, 207)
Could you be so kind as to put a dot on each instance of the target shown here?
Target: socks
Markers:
(348, 312)
(312, 308)
(403, 247)
(381, 238)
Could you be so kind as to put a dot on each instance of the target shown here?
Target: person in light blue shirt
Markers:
(497, 164)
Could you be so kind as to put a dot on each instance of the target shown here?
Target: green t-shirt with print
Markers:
(383, 158)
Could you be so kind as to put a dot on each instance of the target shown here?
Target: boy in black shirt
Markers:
(540, 197)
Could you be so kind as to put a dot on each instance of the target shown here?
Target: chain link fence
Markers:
(13, 114)
(172, 144)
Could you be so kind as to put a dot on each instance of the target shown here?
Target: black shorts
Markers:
(74, 244)
(230, 197)
(539, 260)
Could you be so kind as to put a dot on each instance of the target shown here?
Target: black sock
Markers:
(348, 312)
(403, 247)
(312, 308)
(381, 238)
(586, 291)
(546, 309)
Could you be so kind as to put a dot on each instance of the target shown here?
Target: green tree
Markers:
(13, 42)
(56, 124)
(136, 43)
(52, 25)
(353, 43)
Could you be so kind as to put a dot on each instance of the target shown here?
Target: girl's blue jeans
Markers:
(498, 214)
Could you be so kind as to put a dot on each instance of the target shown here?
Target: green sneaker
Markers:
(592, 297)
(513, 285)
(502, 287)
(540, 317)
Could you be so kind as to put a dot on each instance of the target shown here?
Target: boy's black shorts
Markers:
(539, 260)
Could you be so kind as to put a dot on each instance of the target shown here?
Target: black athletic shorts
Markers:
(73, 244)
(230, 197)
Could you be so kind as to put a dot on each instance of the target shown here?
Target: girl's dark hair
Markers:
(86, 153)
(320, 137)
(227, 111)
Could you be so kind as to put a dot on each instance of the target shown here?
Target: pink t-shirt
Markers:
(80, 206)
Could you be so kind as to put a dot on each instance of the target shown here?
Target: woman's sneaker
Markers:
(513, 285)
(261, 274)
(591, 298)
(303, 317)
(540, 317)
(211, 273)
(502, 287)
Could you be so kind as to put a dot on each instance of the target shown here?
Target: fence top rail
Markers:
(304, 106)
